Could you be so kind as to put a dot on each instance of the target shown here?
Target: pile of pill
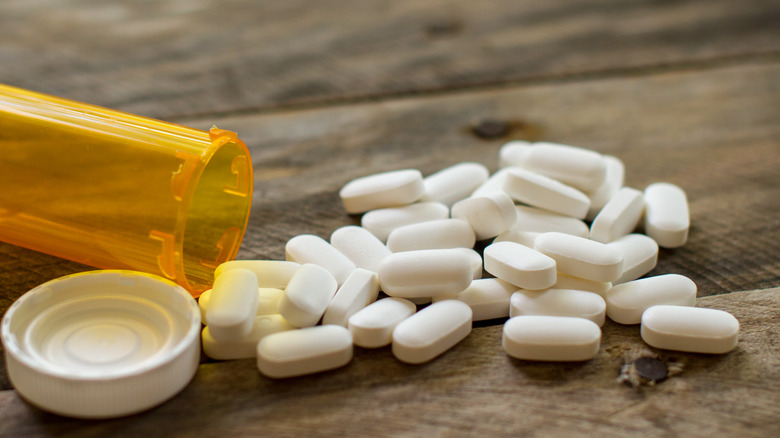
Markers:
(554, 276)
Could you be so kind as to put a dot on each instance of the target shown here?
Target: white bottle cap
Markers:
(102, 344)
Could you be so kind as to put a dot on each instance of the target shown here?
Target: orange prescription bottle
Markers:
(118, 191)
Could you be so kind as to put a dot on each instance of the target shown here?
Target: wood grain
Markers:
(474, 389)
(171, 58)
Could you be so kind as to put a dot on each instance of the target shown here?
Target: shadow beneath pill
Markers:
(551, 373)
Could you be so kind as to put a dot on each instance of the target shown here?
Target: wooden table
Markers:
(323, 92)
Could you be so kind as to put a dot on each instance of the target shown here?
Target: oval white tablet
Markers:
(438, 234)
(691, 329)
(525, 238)
(360, 246)
(542, 221)
(640, 255)
(666, 214)
(513, 153)
(559, 302)
(307, 296)
(520, 265)
(425, 273)
(581, 168)
(308, 248)
(270, 273)
(305, 351)
(431, 331)
(372, 326)
(475, 259)
(544, 192)
(581, 257)
(493, 184)
(619, 216)
(488, 215)
(360, 290)
(383, 221)
(231, 308)
(566, 281)
(245, 347)
(551, 338)
(627, 301)
(454, 183)
(487, 297)
(267, 301)
(616, 172)
(388, 189)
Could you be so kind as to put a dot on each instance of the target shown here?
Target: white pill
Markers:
(305, 351)
(551, 338)
(308, 248)
(360, 290)
(619, 217)
(372, 326)
(267, 301)
(691, 329)
(616, 172)
(270, 273)
(580, 168)
(666, 214)
(487, 297)
(488, 215)
(493, 184)
(522, 266)
(383, 221)
(513, 153)
(525, 238)
(425, 273)
(544, 192)
(388, 189)
(245, 347)
(581, 257)
(542, 221)
(559, 302)
(627, 301)
(475, 259)
(438, 234)
(360, 246)
(640, 255)
(307, 296)
(419, 301)
(566, 281)
(454, 183)
(431, 331)
(231, 308)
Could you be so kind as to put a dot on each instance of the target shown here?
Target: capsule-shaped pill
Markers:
(454, 183)
(425, 273)
(616, 172)
(580, 168)
(388, 189)
(372, 326)
(305, 351)
(580, 257)
(619, 217)
(493, 184)
(525, 238)
(383, 221)
(551, 338)
(513, 153)
(691, 329)
(559, 302)
(487, 297)
(308, 248)
(488, 215)
(231, 309)
(360, 246)
(640, 255)
(360, 290)
(519, 265)
(431, 331)
(307, 296)
(270, 273)
(627, 301)
(245, 347)
(565, 281)
(544, 192)
(475, 259)
(438, 234)
(542, 221)
(267, 302)
(666, 214)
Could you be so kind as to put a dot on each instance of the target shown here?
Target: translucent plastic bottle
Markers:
(115, 190)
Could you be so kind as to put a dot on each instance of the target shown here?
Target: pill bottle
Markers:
(119, 191)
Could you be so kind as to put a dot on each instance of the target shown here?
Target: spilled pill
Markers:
(232, 306)
(267, 301)
(454, 183)
(307, 296)
(551, 338)
(691, 329)
(542, 221)
(519, 265)
(581, 257)
(308, 248)
(383, 221)
(425, 273)
(431, 331)
(360, 246)
(475, 259)
(627, 301)
(270, 273)
(559, 302)
(619, 216)
(487, 297)
(438, 234)
(304, 351)
(245, 347)
(360, 290)
(640, 255)
(488, 215)
(666, 214)
(578, 167)
(565, 281)
(544, 192)
(372, 326)
(387, 189)
(615, 176)
(493, 184)
(525, 238)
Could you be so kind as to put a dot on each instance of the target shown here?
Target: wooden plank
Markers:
(474, 389)
(169, 58)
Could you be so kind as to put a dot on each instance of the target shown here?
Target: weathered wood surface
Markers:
(168, 58)
(473, 390)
